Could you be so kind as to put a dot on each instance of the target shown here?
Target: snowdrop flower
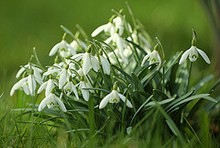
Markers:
(77, 44)
(105, 64)
(50, 101)
(192, 54)
(37, 72)
(28, 84)
(48, 86)
(69, 88)
(119, 24)
(64, 77)
(111, 27)
(83, 85)
(88, 61)
(114, 97)
(64, 48)
(107, 28)
(152, 57)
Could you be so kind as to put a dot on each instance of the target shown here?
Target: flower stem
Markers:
(190, 70)
(91, 122)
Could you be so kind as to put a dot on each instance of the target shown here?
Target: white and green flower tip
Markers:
(153, 57)
(114, 97)
(50, 101)
(31, 76)
(193, 52)
(64, 49)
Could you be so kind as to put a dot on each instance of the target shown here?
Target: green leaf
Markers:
(136, 82)
(186, 100)
(67, 30)
(141, 107)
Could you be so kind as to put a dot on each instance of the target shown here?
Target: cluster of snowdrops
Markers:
(94, 67)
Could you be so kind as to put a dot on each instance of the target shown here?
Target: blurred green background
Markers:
(26, 24)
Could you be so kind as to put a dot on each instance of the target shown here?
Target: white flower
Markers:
(119, 24)
(48, 86)
(69, 88)
(108, 28)
(64, 48)
(83, 85)
(114, 97)
(88, 62)
(192, 53)
(152, 57)
(64, 77)
(28, 84)
(50, 101)
(76, 44)
(37, 72)
(116, 25)
(105, 64)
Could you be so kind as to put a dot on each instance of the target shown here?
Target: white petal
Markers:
(31, 84)
(98, 30)
(104, 101)
(204, 56)
(77, 57)
(108, 40)
(54, 49)
(38, 77)
(95, 63)
(184, 56)
(50, 86)
(119, 42)
(18, 85)
(74, 44)
(71, 49)
(42, 87)
(145, 59)
(26, 89)
(43, 103)
(60, 103)
(85, 93)
(63, 78)
(75, 91)
(86, 63)
(105, 65)
(20, 72)
(124, 99)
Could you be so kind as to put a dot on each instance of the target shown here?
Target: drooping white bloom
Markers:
(64, 77)
(114, 97)
(69, 88)
(192, 54)
(105, 64)
(64, 48)
(27, 84)
(76, 44)
(88, 62)
(30, 68)
(116, 25)
(119, 25)
(152, 57)
(108, 28)
(83, 85)
(50, 101)
(48, 86)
